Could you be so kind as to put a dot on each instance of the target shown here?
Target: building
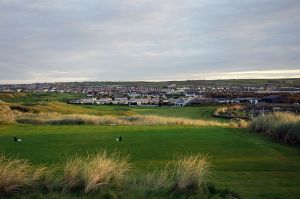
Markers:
(182, 101)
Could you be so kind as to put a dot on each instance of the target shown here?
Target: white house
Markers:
(182, 101)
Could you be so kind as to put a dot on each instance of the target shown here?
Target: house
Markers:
(247, 100)
(222, 100)
(190, 94)
(182, 101)
(253, 101)
(121, 101)
(104, 101)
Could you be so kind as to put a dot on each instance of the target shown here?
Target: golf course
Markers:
(249, 164)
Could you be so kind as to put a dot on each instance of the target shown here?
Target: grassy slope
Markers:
(196, 112)
(55, 102)
(243, 162)
(34, 98)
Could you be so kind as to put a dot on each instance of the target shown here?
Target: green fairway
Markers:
(195, 112)
(244, 162)
(186, 112)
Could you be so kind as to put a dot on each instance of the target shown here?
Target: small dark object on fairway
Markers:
(17, 139)
(119, 139)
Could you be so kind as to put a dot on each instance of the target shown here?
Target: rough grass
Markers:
(190, 172)
(105, 169)
(17, 175)
(185, 174)
(100, 171)
(11, 113)
(239, 123)
(94, 171)
(6, 114)
(282, 126)
(73, 173)
(61, 119)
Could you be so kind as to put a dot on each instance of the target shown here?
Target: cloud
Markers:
(51, 76)
(136, 40)
(262, 74)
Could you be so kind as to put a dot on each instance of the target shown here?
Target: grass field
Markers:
(196, 112)
(246, 163)
(57, 102)
(35, 98)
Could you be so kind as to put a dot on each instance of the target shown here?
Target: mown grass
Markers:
(195, 112)
(246, 163)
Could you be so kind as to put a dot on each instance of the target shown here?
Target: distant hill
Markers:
(289, 82)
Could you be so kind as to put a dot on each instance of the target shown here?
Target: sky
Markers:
(151, 40)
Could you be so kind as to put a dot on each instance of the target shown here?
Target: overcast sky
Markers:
(75, 40)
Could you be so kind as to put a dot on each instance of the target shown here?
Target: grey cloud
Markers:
(135, 40)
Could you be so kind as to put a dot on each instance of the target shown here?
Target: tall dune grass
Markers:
(102, 170)
(238, 123)
(185, 174)
(190, 172)
(6, 114)
(57, 118)
(279, 125)
(73, 173)
(105, 169)
(95, 171)
(17, 175)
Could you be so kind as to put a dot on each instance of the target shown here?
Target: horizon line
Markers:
(150, 81)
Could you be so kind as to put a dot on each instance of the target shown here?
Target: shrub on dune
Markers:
(281, 126)
(65, 119)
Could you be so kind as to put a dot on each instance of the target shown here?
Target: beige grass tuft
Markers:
(6, 114)
(148, 120)
(95, 171)
(190, 172)
(15, 174)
